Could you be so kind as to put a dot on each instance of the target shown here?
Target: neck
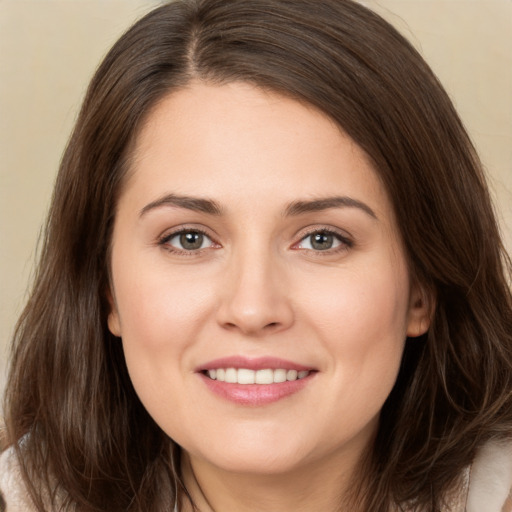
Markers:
(314, 487)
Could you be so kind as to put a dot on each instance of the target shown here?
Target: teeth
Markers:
(279, 375)
(264, 377)
(231, 375)
(246, 376)
(291, 375)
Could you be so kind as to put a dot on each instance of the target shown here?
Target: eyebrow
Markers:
(295, 208)
(190, 203)
(317, 205)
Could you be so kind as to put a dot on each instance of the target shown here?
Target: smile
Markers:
(248, 376)
(255, 382)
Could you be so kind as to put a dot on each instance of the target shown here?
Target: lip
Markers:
(254, 395)
(258, 363)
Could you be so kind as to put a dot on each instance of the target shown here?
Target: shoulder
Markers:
(486, 485)
(490, 480)
(14, 493)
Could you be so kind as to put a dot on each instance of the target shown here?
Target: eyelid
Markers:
(346, 240)
(162, 240)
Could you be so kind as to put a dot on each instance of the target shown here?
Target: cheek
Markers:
(362, 323)
(156, 305)
(161, 315)
(360, 304)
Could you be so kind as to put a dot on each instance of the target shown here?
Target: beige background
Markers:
(50, 48)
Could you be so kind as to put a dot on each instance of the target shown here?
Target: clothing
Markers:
(11, 487)
(487, 486)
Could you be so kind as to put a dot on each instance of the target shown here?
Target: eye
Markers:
(323, 240)
(187, 240)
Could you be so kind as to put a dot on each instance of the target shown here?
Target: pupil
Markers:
(321, 241)
(191, 240)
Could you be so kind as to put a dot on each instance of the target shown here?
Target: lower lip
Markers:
(256, 394)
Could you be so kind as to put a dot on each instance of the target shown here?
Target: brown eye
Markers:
(322, 241)
(189, 240)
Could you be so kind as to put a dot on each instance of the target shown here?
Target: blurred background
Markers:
(49, 50)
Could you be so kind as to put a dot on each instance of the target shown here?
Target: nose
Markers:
(256, 299)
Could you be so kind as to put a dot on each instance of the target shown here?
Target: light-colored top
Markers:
(487, 486)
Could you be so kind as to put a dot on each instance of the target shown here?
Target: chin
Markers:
(257, 454)
(263, 463)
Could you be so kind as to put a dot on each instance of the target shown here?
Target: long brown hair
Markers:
(72, 414)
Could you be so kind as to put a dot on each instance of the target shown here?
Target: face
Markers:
(259, 282)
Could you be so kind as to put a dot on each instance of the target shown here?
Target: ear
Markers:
(421, 310)
(113, 321)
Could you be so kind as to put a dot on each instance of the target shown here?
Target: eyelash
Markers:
(345, 242)
(164, 241)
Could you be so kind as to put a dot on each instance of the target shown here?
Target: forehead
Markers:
(223, 140)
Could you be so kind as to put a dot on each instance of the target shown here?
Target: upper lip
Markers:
(258, 363)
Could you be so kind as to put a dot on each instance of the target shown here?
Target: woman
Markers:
(272, 280)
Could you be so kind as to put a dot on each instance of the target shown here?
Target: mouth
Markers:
(247, 376)
(255, 382)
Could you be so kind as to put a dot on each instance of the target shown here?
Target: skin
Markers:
(258, 287)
